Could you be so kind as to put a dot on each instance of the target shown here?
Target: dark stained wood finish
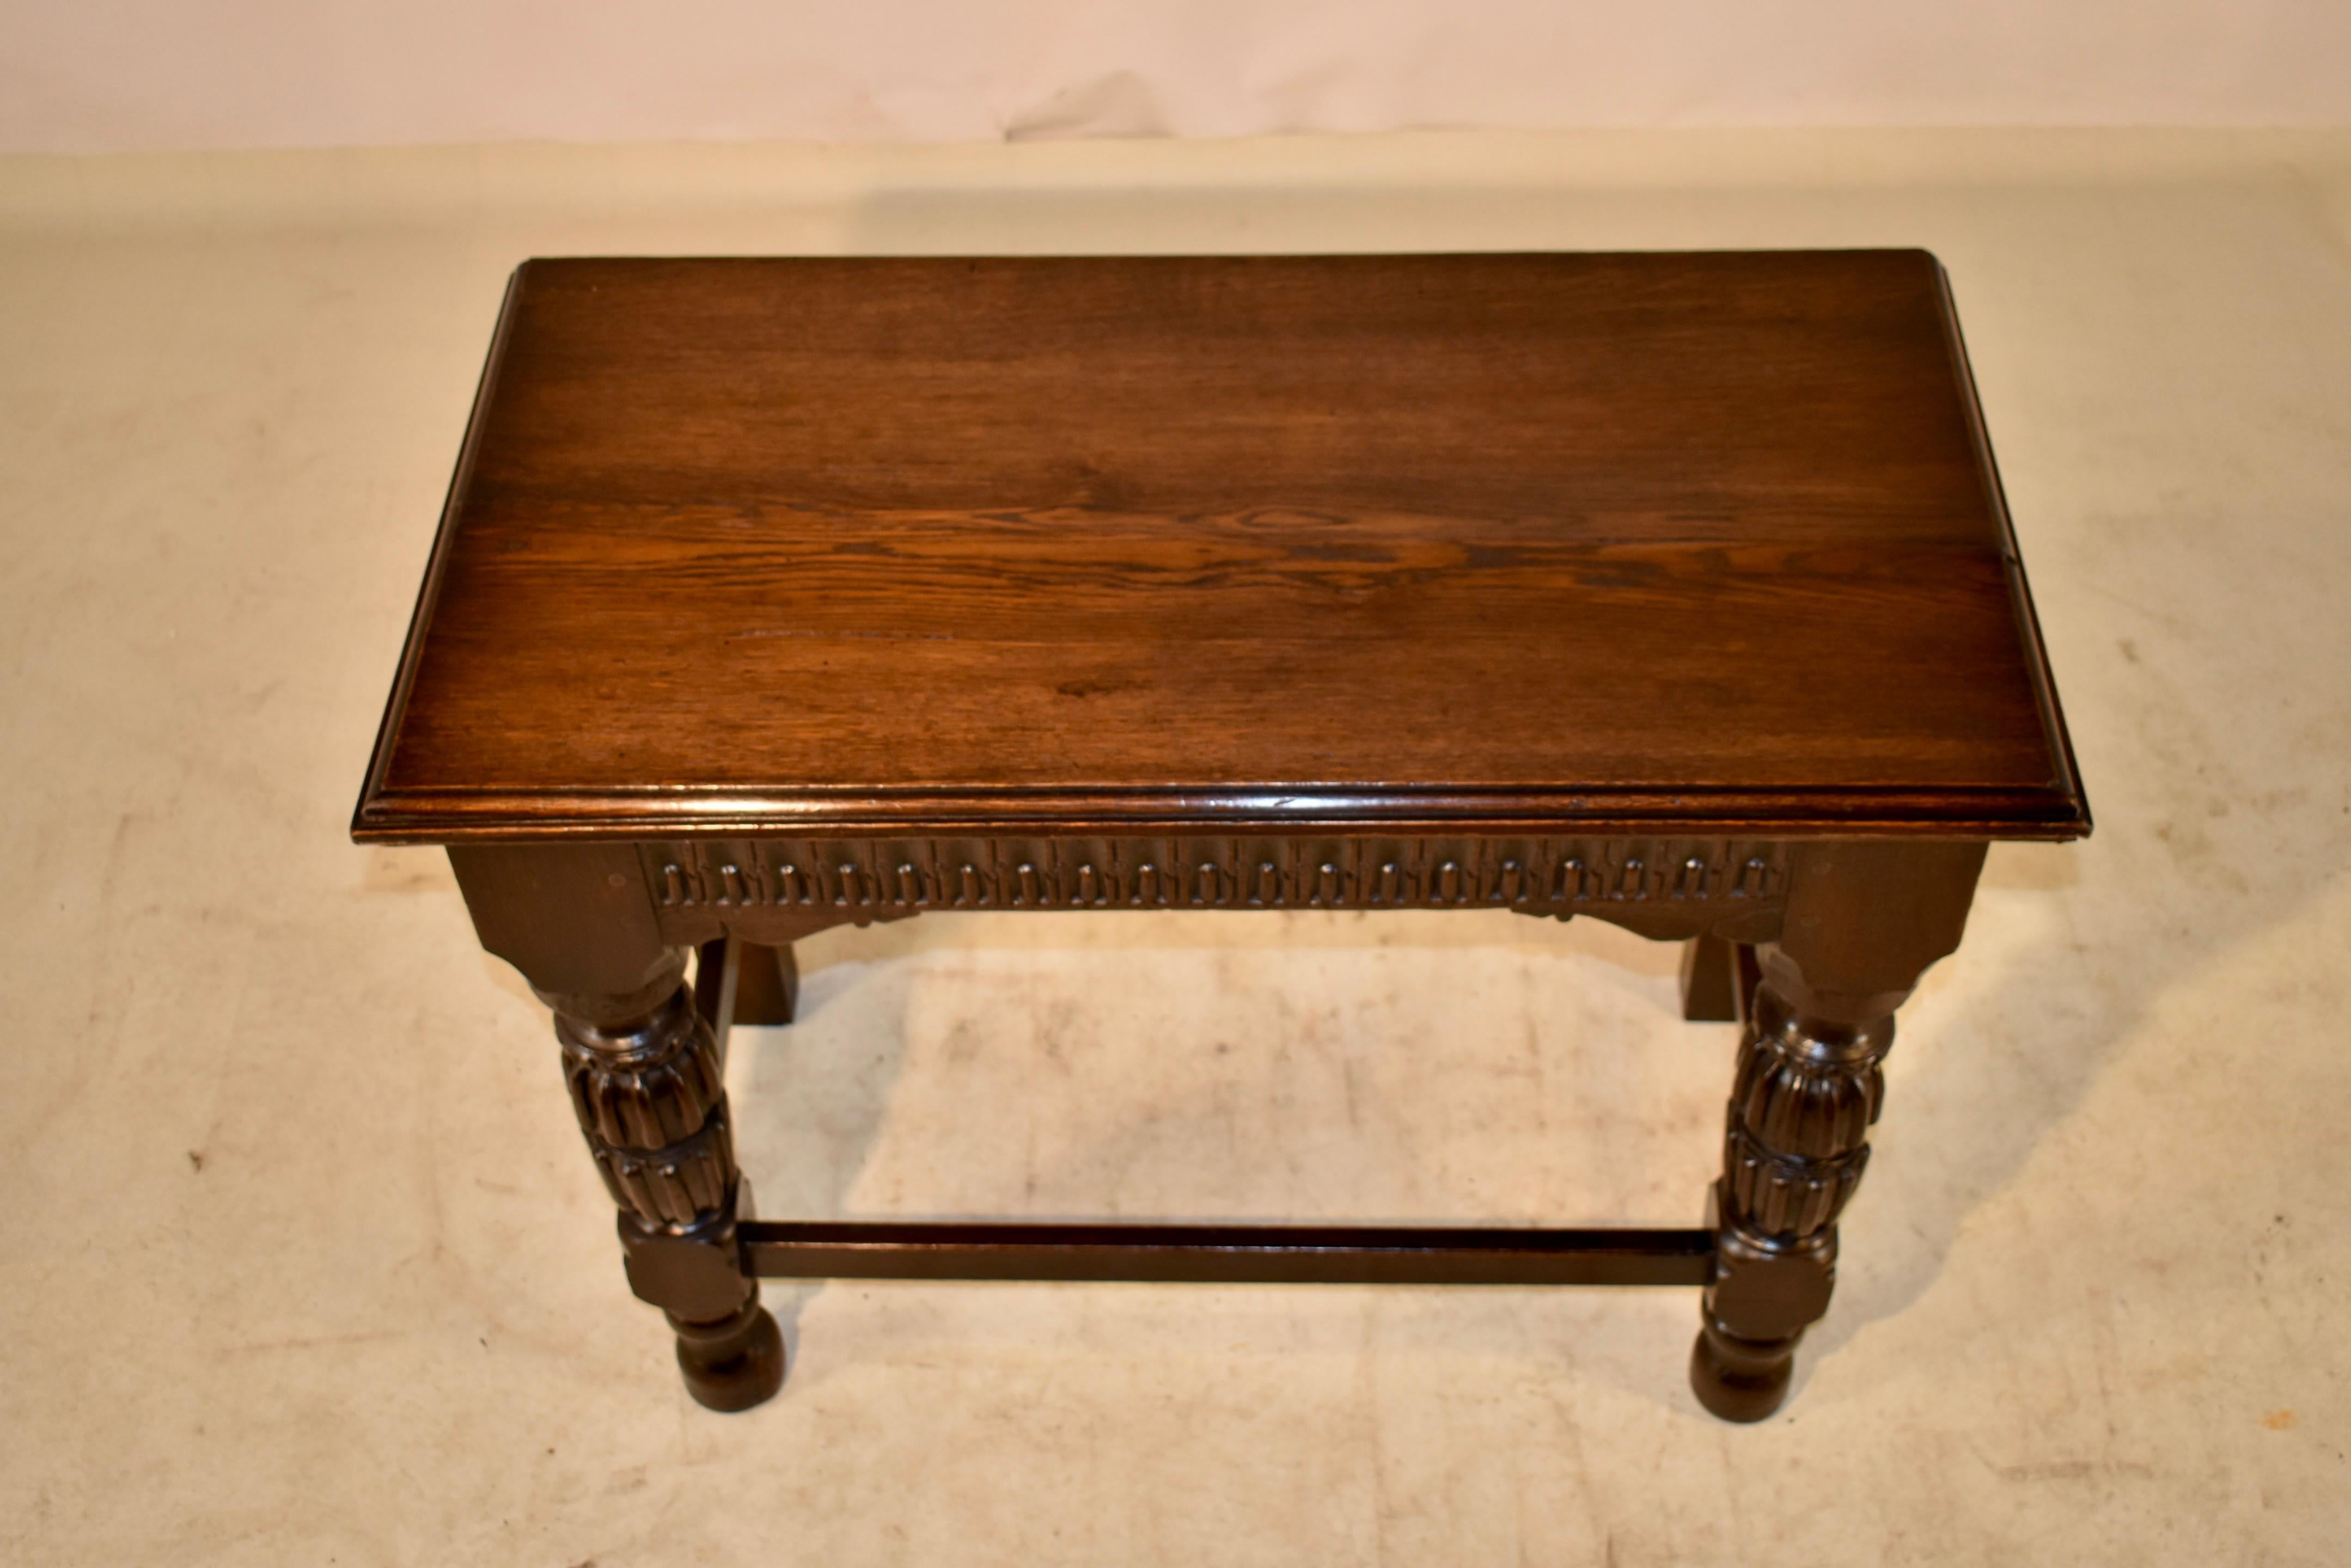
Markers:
(777, 891)
(769, 992)
(1863, 923)
(1602, 543)
(1228, 1254)
(1710, 980)
(1670, 591)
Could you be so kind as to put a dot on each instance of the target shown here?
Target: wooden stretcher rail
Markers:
(1228, 1254)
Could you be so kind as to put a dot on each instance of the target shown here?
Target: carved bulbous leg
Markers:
(645, 1080)
(1863, 919)
(1806, 1092)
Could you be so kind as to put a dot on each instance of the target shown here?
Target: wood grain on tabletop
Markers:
(1629, 540)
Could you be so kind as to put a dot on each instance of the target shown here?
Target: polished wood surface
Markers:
(1674, 591)
(1228, 1254)
(1564, 544)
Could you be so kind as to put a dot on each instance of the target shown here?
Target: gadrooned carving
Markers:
(1785, 1196)
(1800, 1114)
(676, 1186)
(645, 1087)
(900, 876)
(652, 1101)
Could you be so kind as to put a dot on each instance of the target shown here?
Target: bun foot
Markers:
(735, 1363)
(1740, 1379)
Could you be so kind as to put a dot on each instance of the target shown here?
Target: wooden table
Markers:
(1672, 590)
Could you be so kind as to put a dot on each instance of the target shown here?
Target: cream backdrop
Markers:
(114, 74)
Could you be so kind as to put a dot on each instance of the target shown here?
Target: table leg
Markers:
(767, 985)
(1864, 921)
(643, 1067)
(1715, 980)
(646, 1084)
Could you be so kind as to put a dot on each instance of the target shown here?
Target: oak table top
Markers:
(1609, 544)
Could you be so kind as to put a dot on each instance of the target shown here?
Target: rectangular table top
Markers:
(1705, 542)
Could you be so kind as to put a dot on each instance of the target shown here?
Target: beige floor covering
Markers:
(303, 1262)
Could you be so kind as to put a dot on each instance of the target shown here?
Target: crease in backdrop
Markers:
(103, 76)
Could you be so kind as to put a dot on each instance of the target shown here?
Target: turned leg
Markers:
(767, 986)
(646, 1084)
(1718, 979)
(736, 981)
(1863, 921)
(643, 1067)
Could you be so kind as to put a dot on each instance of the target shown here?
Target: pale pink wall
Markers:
(90, 74)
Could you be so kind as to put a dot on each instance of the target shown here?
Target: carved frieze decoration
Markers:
(703, 884)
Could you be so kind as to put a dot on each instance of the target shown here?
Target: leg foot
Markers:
(733, 1364)
(1740, 1379)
